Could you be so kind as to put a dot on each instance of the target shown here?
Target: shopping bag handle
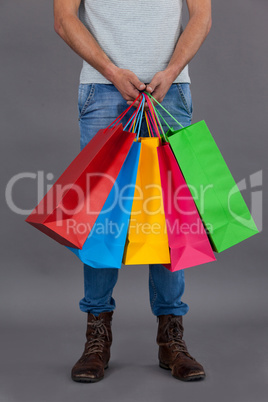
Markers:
(149, 128)
(155, 122)
(120, 117)
(132, 120)
(151, 115)
(160, 115)
(152, 128)
(136, 118)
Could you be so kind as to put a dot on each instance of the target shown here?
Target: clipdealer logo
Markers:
(43, 183)
(256, 199)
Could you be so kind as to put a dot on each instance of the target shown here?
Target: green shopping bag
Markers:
(217, 197)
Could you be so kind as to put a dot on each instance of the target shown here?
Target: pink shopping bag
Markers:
(188, 241)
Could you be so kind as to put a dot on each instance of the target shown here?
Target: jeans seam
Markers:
(154, 289)
(184, 100)
(108, 301)
(88, 100)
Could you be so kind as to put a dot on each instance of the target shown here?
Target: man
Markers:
(129, 46)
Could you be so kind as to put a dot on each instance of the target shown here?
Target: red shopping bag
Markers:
(70, 208)
(188, 241)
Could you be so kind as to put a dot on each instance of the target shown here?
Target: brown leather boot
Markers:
(173, 354)
(90, 367)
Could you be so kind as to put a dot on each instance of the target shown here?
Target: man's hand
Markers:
(160, 85)
(127, 84)
(189, 43)
(76, 35)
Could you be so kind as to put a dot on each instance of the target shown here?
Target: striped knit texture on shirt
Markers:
(139, 35)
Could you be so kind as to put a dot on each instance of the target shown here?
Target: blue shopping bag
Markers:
(104, 246)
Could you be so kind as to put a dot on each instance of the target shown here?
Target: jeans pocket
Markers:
(85, 97)
(186, 97)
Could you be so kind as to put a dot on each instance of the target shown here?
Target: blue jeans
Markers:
(99, 105)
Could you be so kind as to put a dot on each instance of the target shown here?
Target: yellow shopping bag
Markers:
(147, 240)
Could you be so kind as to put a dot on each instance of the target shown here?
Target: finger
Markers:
(152, 101)
(146, 107)
(131, 93)
(158, 96)
(140, 86)
(149, 88)
(152, 86)
(136, 104)
(130, 101)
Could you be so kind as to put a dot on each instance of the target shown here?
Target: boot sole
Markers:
(187, 379)
(88, 379)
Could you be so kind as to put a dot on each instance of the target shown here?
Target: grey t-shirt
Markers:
(139, 35)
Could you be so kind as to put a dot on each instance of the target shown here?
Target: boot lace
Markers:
(100, 335)
(175, 330)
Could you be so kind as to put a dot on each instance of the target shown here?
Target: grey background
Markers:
(42, 328)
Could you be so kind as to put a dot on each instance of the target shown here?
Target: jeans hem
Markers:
(167, 311)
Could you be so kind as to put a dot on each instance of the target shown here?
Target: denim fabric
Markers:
(98, 106)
